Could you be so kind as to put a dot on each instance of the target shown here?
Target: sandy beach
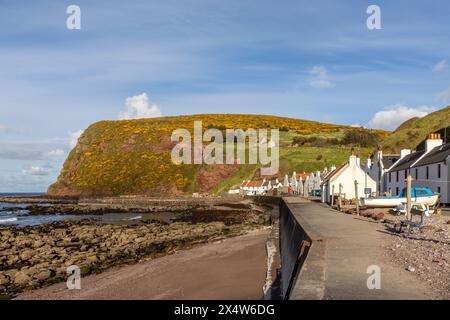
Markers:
(233, 268)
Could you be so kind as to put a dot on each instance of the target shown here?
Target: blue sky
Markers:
(305, 59)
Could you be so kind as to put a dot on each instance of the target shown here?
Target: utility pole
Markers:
(356, 198)
(408, 197)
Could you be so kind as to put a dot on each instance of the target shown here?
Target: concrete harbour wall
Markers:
(302, 256)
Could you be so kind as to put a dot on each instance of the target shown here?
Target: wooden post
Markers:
(340, 197)
(332, 196)
(356, 198)
(408, 197)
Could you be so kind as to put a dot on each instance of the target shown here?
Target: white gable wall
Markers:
(347, 180)
(376, 172)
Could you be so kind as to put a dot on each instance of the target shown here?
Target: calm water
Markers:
(21, 217)
(17, 214)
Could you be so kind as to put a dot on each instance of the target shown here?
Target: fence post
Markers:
(408, 197)
(332, 196)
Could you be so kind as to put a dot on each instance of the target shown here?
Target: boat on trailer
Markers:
(419, 195)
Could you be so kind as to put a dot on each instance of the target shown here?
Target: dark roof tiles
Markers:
(438, 154)
(407, 161)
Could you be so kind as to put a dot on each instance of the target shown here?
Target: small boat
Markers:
(418, 195)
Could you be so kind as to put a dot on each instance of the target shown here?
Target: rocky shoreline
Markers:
(38, 199)
(426, 254)
(33, 257)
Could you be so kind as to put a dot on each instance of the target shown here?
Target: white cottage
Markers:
(433, 171)
(345, 177)
(396, 176)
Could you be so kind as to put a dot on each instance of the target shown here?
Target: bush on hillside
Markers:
(362, 138)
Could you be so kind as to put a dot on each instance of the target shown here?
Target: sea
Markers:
(16, 214)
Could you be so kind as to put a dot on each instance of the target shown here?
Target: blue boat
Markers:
(418, 195)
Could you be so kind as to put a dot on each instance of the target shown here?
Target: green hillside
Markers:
(134, 156)
(414, 131)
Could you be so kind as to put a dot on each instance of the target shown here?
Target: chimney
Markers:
(353, 159)
(369, 163)
(380, 154)
(434, 140)
(404, 153)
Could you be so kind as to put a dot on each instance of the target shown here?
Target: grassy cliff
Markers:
(133, 156)
(414, 131)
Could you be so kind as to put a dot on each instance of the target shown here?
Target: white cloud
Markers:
(440, 66)
(320, 78)
(31, 149)
(138, 107)
(393, 116)
(74, 138)
(57, 153)
(444, 95)
(36, 171)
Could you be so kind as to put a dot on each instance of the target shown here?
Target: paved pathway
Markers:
(351, 244)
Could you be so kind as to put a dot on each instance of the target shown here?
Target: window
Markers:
(417, 173)
(438, 189)
(439, 170)
(428, 173)
(396, 189)
(406, 173)
(397, 176)
(390, 177)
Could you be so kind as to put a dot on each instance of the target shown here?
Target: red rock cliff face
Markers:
(209, 177)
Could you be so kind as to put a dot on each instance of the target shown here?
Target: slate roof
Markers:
(389, 160)
(407, 161)
(438, 154)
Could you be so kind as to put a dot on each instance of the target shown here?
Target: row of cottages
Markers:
(306, 184)
(342, 180)
(250, 187)
(429, 168)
